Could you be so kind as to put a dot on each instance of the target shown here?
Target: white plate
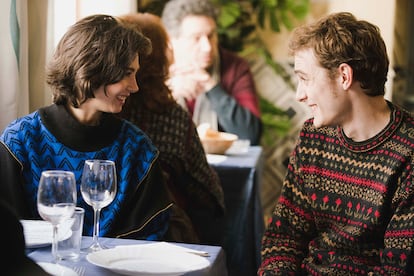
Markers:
(148, 259)
(39, 233)
(57, 270)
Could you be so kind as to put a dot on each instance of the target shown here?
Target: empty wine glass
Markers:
(98, 188)
(56, 200)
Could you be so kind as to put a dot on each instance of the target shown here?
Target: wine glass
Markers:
(98, 188)
(56, 200)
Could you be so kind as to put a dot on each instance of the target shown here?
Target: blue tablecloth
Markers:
(217, 257)
(240, 231)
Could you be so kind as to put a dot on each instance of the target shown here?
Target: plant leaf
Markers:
(274, 24)
(229, 14)
(261, 16)
(286, 20)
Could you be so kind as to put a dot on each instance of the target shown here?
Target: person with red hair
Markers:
(194, 184)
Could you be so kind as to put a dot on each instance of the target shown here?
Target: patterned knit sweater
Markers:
(193, 182)
(346, 208)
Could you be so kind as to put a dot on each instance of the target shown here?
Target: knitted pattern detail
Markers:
(181, 154)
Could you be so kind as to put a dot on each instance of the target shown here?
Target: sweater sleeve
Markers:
(290, 229)
(397, 257)
(202, 183)
(235, 99)
(11, 182)
(146, 212)
(234, 117)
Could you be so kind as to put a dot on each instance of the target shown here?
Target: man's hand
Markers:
(188, 82)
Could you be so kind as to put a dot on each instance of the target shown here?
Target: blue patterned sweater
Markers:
(51, 138)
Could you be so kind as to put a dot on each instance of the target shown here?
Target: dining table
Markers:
(215, 256)
(239, 231)
(233, 240)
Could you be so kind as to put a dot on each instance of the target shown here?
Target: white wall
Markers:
(111, 7)
(67, 12)
(380, 13)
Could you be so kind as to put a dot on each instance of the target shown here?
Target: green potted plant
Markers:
(238, 23)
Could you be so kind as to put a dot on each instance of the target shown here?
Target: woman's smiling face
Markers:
(111, 98)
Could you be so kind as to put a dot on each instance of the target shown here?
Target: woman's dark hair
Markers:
(95, 51)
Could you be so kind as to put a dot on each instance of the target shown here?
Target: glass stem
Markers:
(97, 213)
(55, 243)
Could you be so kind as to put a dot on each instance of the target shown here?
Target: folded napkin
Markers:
(39, 233)
(215, 158)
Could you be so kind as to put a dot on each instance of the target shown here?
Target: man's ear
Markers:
(345, 75)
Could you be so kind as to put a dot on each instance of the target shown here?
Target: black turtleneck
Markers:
(70, 132)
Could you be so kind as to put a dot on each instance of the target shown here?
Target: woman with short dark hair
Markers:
(92, 73)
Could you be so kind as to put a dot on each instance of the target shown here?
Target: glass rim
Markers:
(100, 161)
(56, 172)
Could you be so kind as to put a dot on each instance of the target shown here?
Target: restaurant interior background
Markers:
(31, 29)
